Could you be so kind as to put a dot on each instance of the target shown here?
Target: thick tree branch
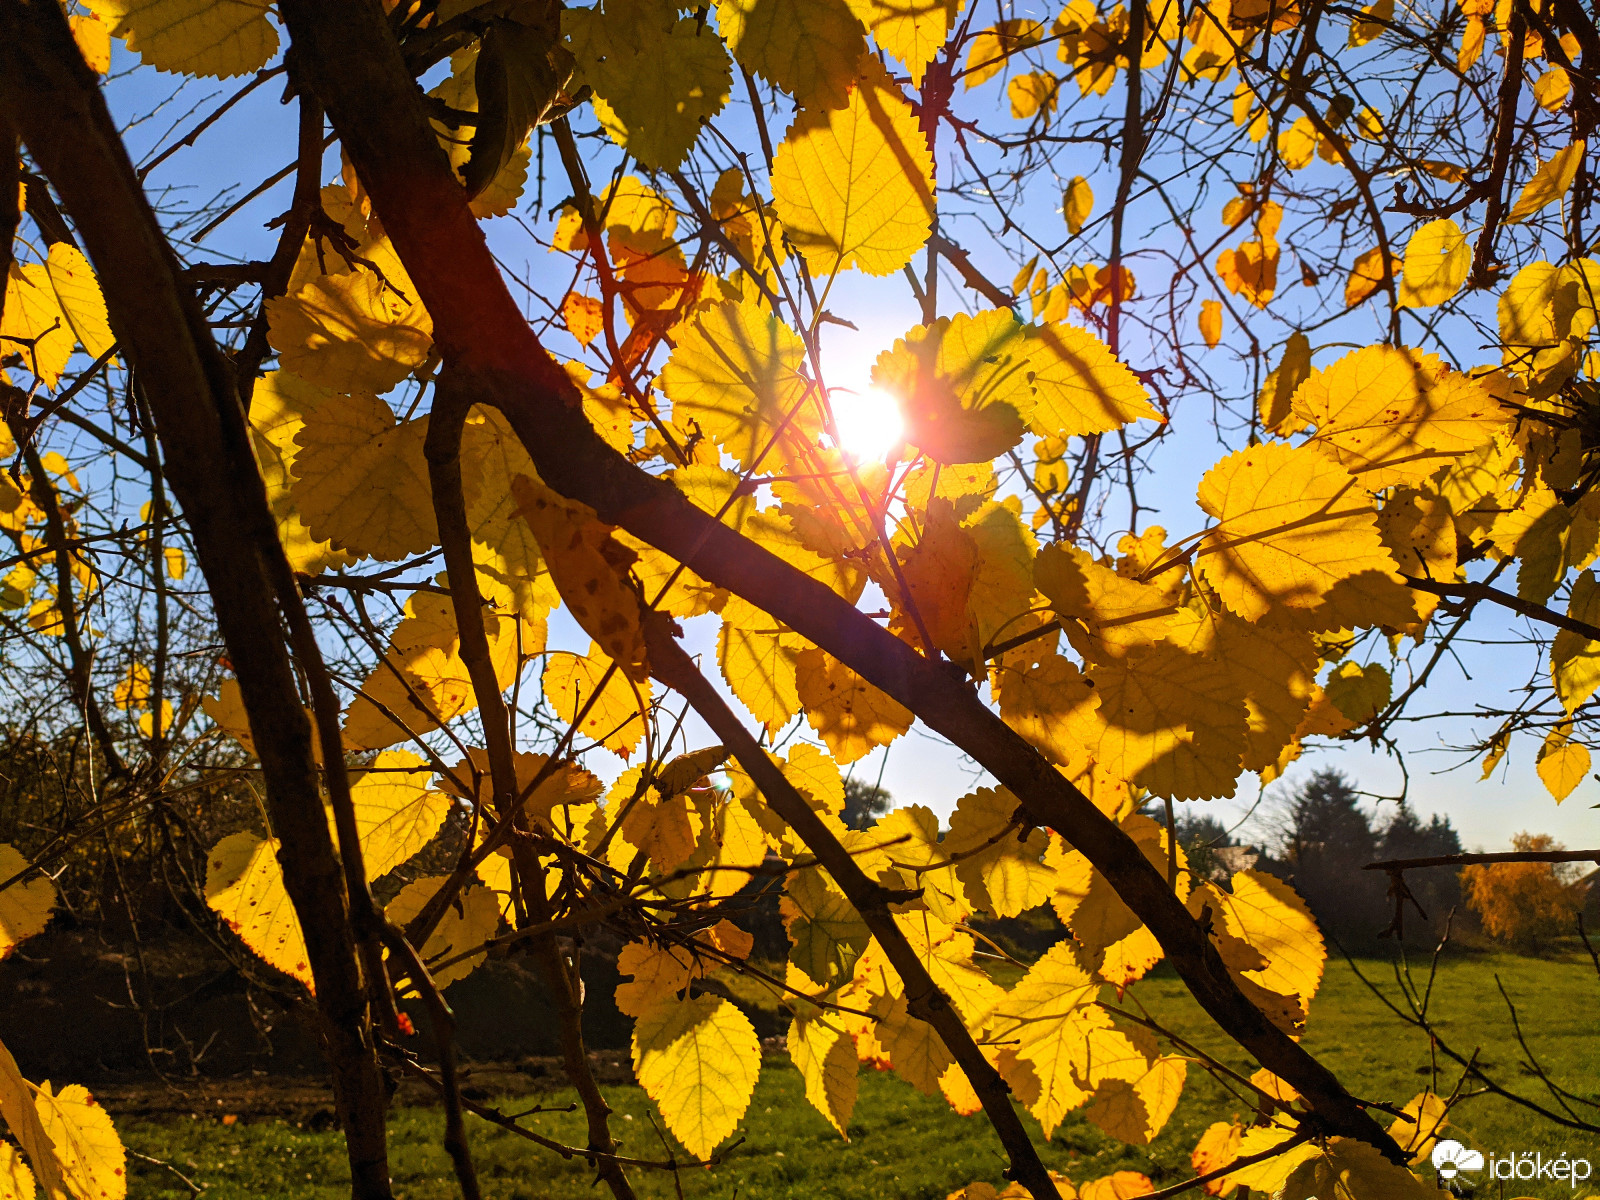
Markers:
(50, 96)
(355, 66)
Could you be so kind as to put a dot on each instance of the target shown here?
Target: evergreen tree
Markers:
(864, 803)
(1327, 839)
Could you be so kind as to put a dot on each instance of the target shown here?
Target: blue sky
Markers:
(257, 137)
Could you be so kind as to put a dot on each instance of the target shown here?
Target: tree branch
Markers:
(49, 94)
(354, 64)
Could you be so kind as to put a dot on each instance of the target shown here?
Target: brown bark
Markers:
(349, 57)
(53, 100)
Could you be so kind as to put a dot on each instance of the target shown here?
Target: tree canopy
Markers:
(529, 426)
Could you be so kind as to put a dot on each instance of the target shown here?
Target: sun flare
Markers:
(870, 424)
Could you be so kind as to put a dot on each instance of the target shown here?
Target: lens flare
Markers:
(870, 424)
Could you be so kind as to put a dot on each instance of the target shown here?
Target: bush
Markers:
(1521, 903)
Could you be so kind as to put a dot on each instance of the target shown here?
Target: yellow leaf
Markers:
(809, 48)
(1049, 1015)
(1549, 183)
(1029, 93)
(698, 1060)
(826, 934)
(94, 1166)
(851, 714)
(1002, 871)
(1211, 322)
(1117, 613)
(278, 410)
(1268, 1175)
(760, 668)
(1347, 1169)
(1277, 394)
(1359, 692)
(22, 1120)
(1077, 202)
(1218, 1146)
(1136, 1095)
(350, 332)
(1367, 275)
(1437, 260)
(993, 46)
(656, 85)
(615, 719)
(1418, 529)
(1168, 720)
(854, 186)
(915, 1049)
(78, 293)
(244, 886)
(397, 814)
(360, 479)
(1418, 1126)
(24, 906)
(33, 325)
(1552, 88)
(1122, 1185)
(469, 919)
(913, 33)
(583, 317)
(1293, 527)
(16, 1181)
(423, 680)
(1251, 271)
(94, 42)
(215, 38)
(1297, 145)
(177, 563)
(658, 974)
(963, 384)
(1563, 764)
(1574, 660)
(1035, 695)
(589, 568)
(1370, 25)
(1080, 387)
(1267, 913)
(1392, 415)
(735, 370)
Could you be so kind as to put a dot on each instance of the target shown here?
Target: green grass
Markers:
(904, 1145)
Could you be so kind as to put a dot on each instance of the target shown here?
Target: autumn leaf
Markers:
(25, 906)
(852, 716)
(809, 48)
(853, 185)
(1437, 259)
(1549, 183)
(216, 38)
(698, 1060)
(1292, 526)
(913, 33)
(244, 887)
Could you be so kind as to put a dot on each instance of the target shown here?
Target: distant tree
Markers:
(1326, 839)
(1201, 837)
(1438, 891)
(1523, 903)
(864, 803)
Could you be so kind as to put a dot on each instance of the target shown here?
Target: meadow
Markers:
(906, 1145)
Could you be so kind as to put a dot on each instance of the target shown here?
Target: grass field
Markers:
(904, 1145)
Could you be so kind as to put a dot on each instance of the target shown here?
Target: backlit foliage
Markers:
(1401, 382)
